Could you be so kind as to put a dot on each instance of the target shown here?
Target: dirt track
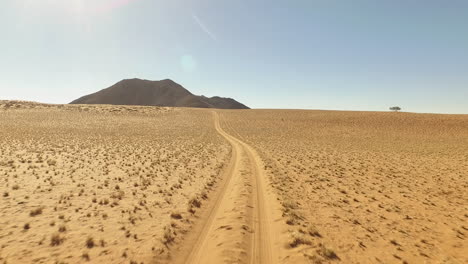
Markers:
(240, 227)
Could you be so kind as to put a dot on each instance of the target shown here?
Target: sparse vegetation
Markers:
(298, 239)
(345, 178)
(195, 202)
(77, 180)
(85, 256)
(327, 252)
(90, 242)
(176, 215)
(336, 174)
(62, 228)
(312, 230)
(395, 108)
(168, 236)
(56, 240)
(36, 211)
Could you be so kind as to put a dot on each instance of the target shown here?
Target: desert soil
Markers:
(130, 184)
(365, 187)
(102, 184)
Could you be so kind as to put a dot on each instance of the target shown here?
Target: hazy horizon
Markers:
(331, 55)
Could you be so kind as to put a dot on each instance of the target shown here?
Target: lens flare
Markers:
(188, 63)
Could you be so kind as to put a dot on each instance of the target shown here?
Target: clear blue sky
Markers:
(314, 54)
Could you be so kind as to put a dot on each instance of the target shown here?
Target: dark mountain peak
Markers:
(168, 81)
(155, 93)
(138, 80)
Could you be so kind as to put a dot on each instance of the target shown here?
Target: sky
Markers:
(307, 54)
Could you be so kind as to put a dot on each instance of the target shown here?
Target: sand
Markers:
(132, 184)
(102, 184)
(365, 187)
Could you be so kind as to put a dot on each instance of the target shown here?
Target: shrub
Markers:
(62, 229)
(298, 239)
(118, 195)
(56, 240)
(168, 236)
(36, 211)
(89, 242)
(176, 215)
(313, 232)
(327, 253)
(195, 202)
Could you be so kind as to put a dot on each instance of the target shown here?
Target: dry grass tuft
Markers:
(168, 236)
(298, 239)
(36, 211)
(62, 228)
(85, 256)
(176, 215)
(90, 242)
(56, 240)
(327, 252)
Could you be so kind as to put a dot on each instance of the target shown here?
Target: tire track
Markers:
(241, 226)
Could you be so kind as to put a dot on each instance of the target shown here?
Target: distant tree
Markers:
(395, 108)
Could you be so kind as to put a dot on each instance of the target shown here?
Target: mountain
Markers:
(155, 93)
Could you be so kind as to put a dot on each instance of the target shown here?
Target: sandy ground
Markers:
(244, 223)
(363, 187)
(102, 184)
(115, 184)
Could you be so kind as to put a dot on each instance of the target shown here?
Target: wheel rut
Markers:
(242, 225)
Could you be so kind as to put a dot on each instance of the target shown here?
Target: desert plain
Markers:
(135, 184)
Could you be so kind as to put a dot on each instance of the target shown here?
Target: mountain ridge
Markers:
(165, 92)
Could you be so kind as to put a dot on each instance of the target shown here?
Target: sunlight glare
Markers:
(75, 7)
